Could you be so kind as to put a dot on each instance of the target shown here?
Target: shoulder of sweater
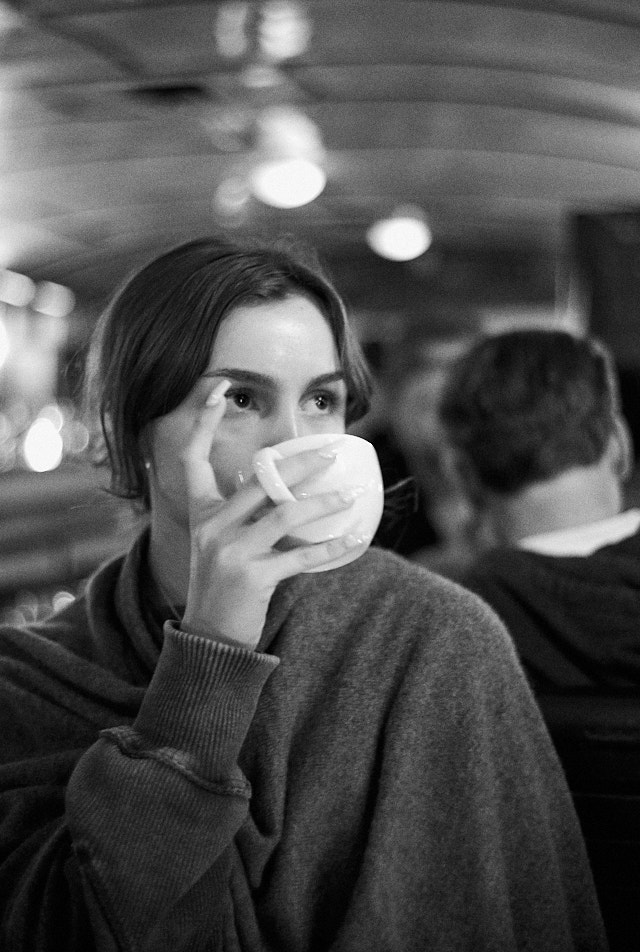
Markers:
(392, 583)
(449, 625)
(382, 567)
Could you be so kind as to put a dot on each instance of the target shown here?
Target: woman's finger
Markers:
(199, 475)
(286, 518)
(251, 497)
(304, 558)
(295, 469)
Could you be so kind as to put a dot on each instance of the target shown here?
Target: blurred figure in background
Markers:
(542, 450)
(534, 421)
(427, 517)
(406, 525)
(420, 433)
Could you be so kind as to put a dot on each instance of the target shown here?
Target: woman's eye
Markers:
(241, 399)
(321, 403)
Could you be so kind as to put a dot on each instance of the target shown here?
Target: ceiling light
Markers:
(401, 237)
(289, 151)
(274, 30)
(284, 31)
(42, 447)
(288, 183)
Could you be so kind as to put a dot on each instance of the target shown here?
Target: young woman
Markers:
(215, 748)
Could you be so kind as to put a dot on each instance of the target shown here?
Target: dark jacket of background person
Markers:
(533, 418)
(295, 797)
(574, 619)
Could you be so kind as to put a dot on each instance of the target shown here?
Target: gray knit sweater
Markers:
(375, 777)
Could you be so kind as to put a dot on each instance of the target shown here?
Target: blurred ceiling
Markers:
(127, 126)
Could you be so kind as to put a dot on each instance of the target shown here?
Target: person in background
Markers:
(420, 433)
(217, 747)
(542, 450)
(534, 422)
(406, 526)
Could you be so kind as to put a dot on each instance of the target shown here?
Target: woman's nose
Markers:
(282, 432)
(287, 426)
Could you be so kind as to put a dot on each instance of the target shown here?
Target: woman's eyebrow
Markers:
(322, 379)
(244, 376)
(263, 380)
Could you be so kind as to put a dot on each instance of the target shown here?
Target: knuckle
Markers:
(231, 562)
(224, 559)
(338, 499)
(281, 516)
(335, 547)
(199, 537)
(308, 556)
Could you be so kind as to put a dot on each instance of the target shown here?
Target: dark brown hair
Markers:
(526, 405)
(154, 340)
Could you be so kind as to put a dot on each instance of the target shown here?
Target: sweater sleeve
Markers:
(151, 811)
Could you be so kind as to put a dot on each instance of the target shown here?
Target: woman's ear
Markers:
(621, 445)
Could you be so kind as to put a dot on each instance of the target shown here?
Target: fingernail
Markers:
(351, 540)
(348, 495)
(218, 392)
(329, 450)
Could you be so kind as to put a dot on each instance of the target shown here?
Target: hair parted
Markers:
(526, 405)
(154, 339)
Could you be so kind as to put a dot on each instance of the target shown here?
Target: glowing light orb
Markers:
(42, 447)
(400, 238)
(288, 183)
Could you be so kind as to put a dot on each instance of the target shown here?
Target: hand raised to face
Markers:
(235, 560)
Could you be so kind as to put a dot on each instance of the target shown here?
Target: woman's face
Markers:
(286, 381)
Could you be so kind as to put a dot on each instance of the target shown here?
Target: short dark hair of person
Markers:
(526, 405)
(154, 340)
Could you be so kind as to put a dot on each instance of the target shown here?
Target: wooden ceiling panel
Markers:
(153, 40)
(507, 34)
(520, 89)
(119, 120)
(40, 53)
(33, 148)
(477, 128)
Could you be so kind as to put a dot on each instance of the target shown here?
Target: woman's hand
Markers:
(234, 566)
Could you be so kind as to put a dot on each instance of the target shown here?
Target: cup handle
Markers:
(264, 466)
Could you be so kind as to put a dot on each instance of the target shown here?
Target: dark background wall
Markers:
(607, 263)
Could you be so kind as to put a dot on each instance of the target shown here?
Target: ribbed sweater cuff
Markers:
(200, 702)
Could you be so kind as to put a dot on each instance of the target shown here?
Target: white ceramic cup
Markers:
(355, 467)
